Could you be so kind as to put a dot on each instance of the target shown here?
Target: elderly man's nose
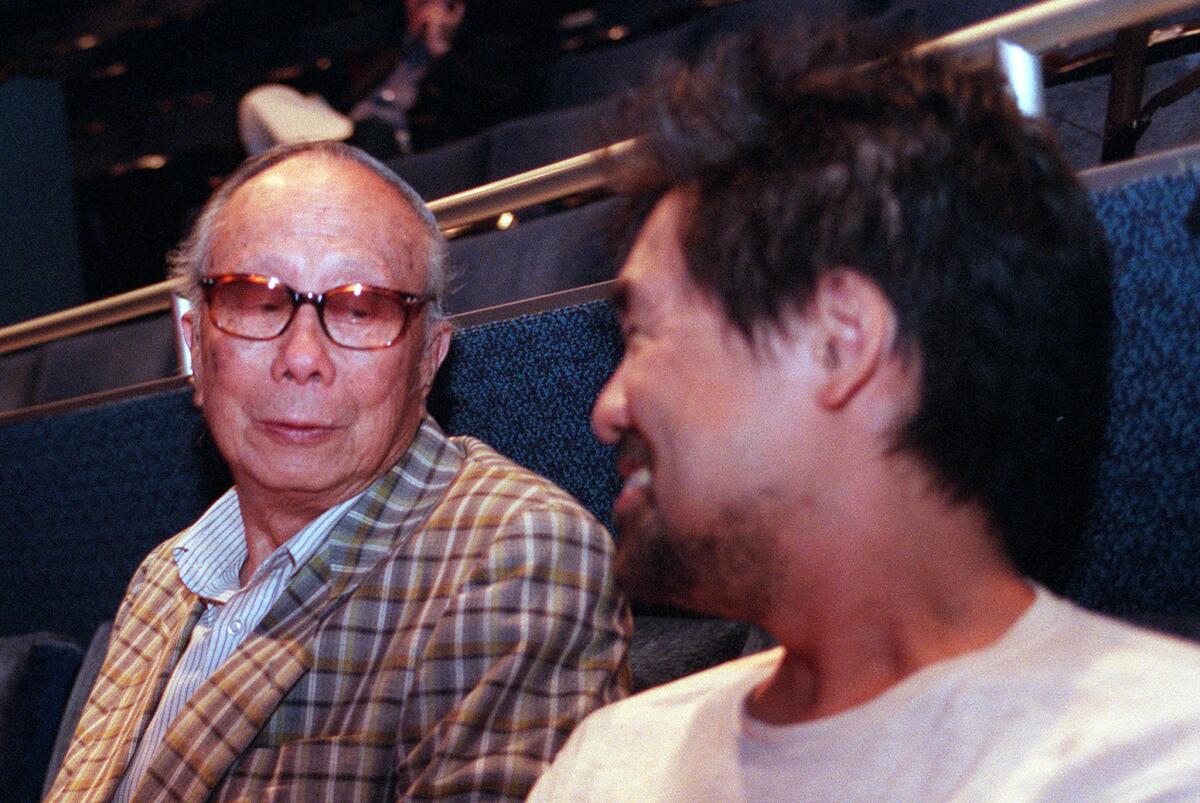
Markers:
(304, 349)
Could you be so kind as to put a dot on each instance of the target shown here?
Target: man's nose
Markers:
(610, 414)
(303, 354)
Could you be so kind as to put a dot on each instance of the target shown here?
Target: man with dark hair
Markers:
(862, 398)
(375, 610)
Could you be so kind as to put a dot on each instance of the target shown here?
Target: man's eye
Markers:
(354, 310)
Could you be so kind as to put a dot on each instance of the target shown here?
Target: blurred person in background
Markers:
(378, 123)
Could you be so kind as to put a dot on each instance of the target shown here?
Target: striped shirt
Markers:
(209, 556)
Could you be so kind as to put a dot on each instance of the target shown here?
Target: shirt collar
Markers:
(210, 553)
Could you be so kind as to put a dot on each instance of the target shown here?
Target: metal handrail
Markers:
(584, 173)
(1037, 28)
(1046, 26)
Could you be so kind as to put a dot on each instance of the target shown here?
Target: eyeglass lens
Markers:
(354, 316)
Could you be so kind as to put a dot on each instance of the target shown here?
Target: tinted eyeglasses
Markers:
(356, 316)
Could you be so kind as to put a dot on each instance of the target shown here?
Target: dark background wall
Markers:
(39, 252)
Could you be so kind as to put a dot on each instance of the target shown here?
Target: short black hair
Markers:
(812, 150)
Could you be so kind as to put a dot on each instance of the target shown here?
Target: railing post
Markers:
(1123, 124)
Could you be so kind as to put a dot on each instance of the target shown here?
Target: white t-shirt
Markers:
(1067, 705)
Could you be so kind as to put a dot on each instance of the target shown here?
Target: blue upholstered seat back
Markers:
(86, 494)
(1142, 553)
(36, 676)
(526, 386)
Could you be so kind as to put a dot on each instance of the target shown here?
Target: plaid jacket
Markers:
(459, 622)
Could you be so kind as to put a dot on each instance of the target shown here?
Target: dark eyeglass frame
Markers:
(409, 303)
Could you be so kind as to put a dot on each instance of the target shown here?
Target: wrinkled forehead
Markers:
(317, 198)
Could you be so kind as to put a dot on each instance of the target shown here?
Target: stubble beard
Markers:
(724, 569)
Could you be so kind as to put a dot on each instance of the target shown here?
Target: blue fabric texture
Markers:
(86, 495)
(527, 143)
(1142, 552)
(445, 170)
(526, 386)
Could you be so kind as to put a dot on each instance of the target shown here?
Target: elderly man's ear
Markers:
(437, 346)
(191, 339)
(855, 328)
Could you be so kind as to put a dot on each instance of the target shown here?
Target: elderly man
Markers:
(866, 329)
(375, 610)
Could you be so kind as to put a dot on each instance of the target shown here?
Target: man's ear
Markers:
(437, 345)
(855, 326)
(191, 339)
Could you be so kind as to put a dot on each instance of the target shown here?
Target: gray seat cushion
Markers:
(36, 673)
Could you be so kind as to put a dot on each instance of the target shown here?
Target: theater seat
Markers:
(536, 257)
(531, 142)
(668, 646)
(1142, 552)
(119, 356)
(578, 78)
(36, 674)
(447, 169)
(18, 378)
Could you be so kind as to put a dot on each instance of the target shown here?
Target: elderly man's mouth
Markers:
(297, 433)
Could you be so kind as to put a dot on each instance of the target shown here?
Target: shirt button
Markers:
(235, 626)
